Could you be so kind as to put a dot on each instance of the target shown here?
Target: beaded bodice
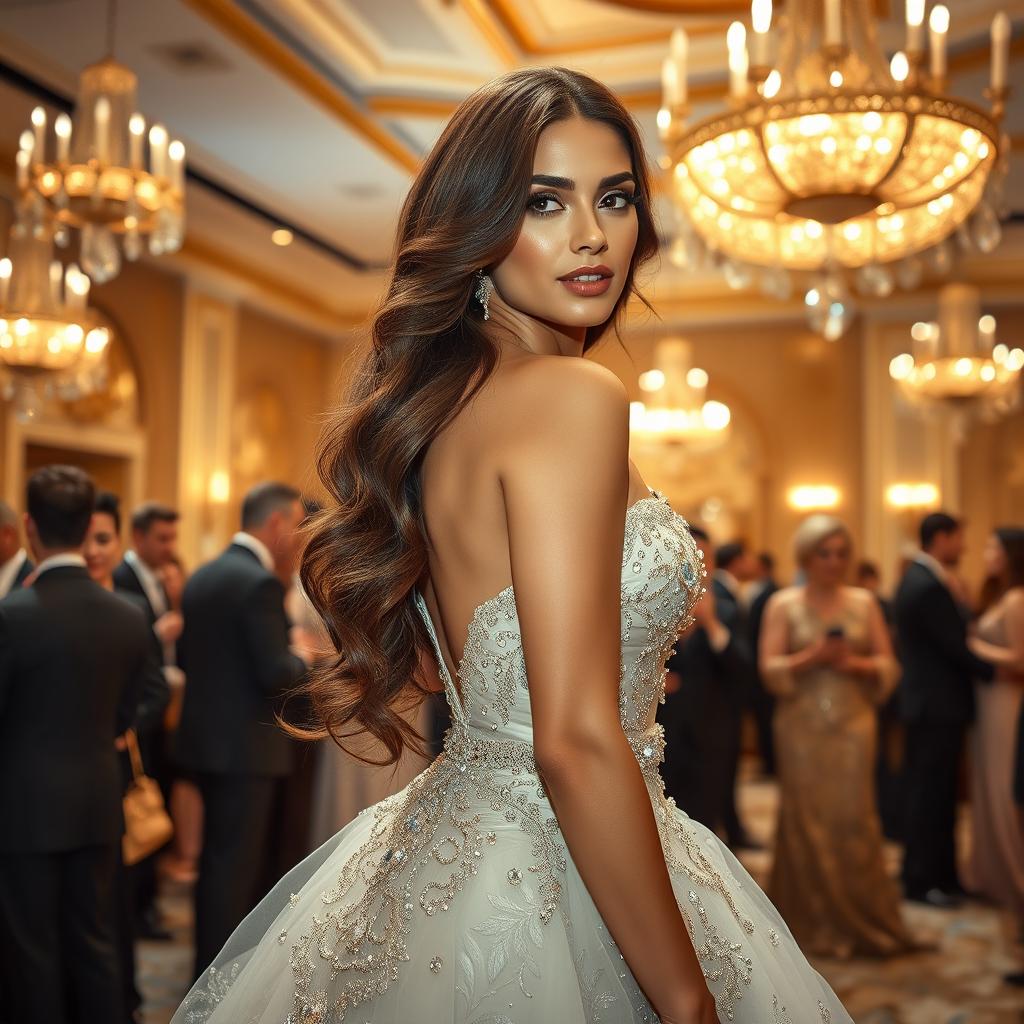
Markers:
(661, 580)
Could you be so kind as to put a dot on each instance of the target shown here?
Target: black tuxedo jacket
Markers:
(237, 663)
(156, 694)
(939, 670)
(23, 574)
(125, 579)
(733, 616)
(74, 659)
(756, 617)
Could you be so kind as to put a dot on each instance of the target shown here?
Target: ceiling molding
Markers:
(510, 15)
(248, 33)
(488, 26)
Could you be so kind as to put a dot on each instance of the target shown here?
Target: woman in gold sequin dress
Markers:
(826, 655)
(486, 517)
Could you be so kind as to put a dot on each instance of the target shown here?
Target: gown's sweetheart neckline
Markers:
(480, 608)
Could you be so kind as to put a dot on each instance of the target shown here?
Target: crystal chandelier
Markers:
(831, 162)
(96, 177)
(51, 343)
(678, 412)
(957, 361)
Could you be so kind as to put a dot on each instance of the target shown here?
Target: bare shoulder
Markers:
(1014, 601)
(566, 395)
(784, 597)
(859, 597)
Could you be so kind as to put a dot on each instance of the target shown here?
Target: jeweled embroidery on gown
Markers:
(457, 900)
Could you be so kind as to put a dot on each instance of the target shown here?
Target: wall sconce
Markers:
(912, 495)
(813, 497)
(219, 489)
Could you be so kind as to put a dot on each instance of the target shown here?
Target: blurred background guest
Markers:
(996, 867)
(762, 702)
(826, 654)
(237, 658)
(937, 702)
(102, 552)
(74, 660)
(15, 564)
(154, 539)
(699, 711)
(733, 569)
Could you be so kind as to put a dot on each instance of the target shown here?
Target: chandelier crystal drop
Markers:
(97, 175)
(957, 362)
(832, 160)
(678, 411)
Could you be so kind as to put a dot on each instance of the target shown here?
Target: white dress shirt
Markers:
(150, 584)
(257, 547)
(10, 569)
(59, 561)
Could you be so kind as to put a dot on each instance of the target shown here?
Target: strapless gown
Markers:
(456, 900)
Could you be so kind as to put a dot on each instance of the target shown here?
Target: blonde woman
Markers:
(825, 654)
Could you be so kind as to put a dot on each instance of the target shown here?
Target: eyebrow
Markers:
(568, 184)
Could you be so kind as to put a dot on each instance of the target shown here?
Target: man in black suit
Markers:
(15, 565)
(699, 712)
(154, 543)
(733, 568)
(762, 702)
(236, 656)
(937, 703)
(74, 660)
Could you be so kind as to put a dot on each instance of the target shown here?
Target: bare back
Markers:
(463, 503)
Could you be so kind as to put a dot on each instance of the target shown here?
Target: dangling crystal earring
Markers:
(484, 287)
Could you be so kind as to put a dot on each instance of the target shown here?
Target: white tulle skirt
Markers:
(455, 901)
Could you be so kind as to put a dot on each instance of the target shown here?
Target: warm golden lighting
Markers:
(835, 161)
(219, 489)
(809, 497)
(912, 495)
(282, 236)
(99, 180)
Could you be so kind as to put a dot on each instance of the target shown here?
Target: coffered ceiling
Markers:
(316, 113)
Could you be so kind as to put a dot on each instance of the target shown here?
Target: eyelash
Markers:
(631, 198)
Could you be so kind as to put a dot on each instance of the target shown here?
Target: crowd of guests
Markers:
(103, 651)
(860, 705)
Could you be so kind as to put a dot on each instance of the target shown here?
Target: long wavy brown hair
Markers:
(427, 356)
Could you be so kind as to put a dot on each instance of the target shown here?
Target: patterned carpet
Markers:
(960, 982)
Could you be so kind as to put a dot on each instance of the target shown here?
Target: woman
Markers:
(534, 871)
(826, 654)
(997, 852)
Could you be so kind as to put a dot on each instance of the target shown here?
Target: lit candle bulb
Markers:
(158, 150)
(101, 136)
(1000, 44)
(915, 26)
(761, 22)
(39, 128)
(833, 23)
(27, 142)
(76, 286)
(938, 26)
(62, 128)
(23, 161)
(5, 280)
(176, 153)
(899, 67)
(680, 52)
(136, 132)
(736, 40)
(56, 278)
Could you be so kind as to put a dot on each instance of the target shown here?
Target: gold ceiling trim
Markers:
(412, 106)
(731, 8)
(243, 30)
(510, 15)
(308, 300)
(482, 17)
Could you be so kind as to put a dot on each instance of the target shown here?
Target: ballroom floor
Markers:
(959, 983)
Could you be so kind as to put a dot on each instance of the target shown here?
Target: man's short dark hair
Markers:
(263, 500)
(934, 524)
(150, 512)
(728, 553)
(110, 504)
(60, 502)
(699, 533)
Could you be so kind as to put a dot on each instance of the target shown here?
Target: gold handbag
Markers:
(147, 825)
